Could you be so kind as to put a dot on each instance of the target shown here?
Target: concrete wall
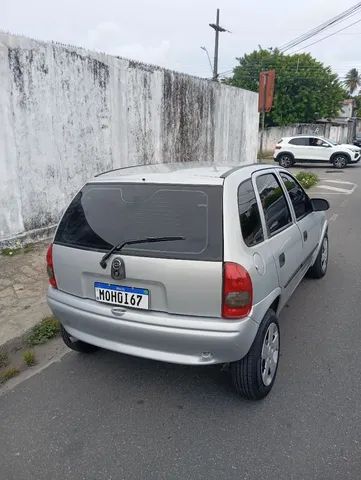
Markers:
(67, 113)
(338, 133)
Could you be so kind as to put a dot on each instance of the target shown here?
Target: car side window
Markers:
(249, 216)
(300, 200)
(316, 142)
(299, 141)
(274, 203)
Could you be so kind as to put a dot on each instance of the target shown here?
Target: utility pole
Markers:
(217, 28)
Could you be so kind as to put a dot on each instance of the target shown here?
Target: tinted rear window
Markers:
(103, 215)
(300, 141)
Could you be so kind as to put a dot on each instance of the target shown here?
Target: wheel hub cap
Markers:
(270, 354)
(340, 161)
(286, 161)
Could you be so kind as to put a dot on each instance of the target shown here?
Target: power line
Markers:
(330, 23)
(320, 28)
(306, 68)
(327, 36)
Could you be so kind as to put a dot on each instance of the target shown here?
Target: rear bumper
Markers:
(155, 335)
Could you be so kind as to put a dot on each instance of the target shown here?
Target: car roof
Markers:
(178, 173)
(304, 136)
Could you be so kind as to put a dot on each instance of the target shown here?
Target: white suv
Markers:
(306, 148)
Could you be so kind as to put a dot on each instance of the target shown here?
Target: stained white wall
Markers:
(67, 113)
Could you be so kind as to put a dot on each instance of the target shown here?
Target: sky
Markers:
(170, 33)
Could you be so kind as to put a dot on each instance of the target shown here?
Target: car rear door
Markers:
(306, 219)
(299, 147)
(179, 277)
(283, 235)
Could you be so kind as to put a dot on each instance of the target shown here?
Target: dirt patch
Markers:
(23, 286)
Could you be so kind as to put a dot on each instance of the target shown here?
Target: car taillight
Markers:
(50, 266)
(237, 291)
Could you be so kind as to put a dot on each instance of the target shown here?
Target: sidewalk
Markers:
(23, 284)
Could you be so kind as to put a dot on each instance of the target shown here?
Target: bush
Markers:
(307, 179)
(42, 332)
(29, 358)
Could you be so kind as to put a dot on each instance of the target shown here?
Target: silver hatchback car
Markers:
(186, 263)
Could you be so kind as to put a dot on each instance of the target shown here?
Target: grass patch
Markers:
(48, 328)
(307, 179)
(29, 358)
(4, 359)
(9, 373)
(10, 252)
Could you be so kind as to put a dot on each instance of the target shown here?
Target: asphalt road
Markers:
(109, 416)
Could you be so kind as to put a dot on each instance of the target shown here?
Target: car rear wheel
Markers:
(286, 160)
(319, 268)
(339, 161)
(75, 344)
(253, 376)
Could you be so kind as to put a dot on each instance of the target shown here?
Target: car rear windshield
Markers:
(102, 215)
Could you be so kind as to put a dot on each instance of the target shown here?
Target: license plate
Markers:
(121, 295)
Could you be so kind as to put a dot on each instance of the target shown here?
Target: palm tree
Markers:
(353, 80)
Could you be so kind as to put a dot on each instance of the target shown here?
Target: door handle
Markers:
(282, 259)
(305, 235)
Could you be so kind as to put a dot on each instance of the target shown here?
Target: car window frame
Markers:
(317, 138)
(255, 175)
(259, 206)
(293, 212)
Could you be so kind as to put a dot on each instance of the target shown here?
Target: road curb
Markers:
(15, 343)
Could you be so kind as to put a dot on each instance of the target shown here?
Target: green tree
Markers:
(353, 80)
(305, 89)
(357, 111)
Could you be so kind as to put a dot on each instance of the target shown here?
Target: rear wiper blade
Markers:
(119, 246)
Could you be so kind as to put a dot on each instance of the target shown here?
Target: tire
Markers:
(319, 268)
(76, 345)
(339, 161)
(253, 376)
(285, 160)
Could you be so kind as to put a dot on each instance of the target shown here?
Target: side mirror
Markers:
(319, 204)
(327, 145)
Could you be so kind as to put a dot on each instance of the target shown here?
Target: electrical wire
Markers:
(327, 36)
(320, 28)
(332, 22)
